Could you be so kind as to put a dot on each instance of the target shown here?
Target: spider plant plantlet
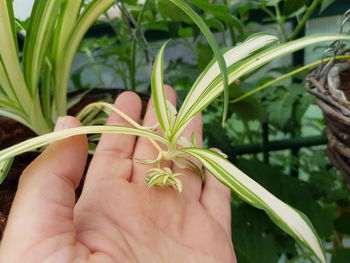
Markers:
(241, 59)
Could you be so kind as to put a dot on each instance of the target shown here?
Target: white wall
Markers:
(23, 8)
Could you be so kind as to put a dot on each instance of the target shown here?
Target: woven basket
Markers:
(332, 91)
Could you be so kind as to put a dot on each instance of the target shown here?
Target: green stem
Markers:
(280, 21)
(267, 11)
(249, 135)
(247, 130)
(189, 45)
(302, 22)
(338, 242)
(132, 68)
(230, 27)
(270, 83)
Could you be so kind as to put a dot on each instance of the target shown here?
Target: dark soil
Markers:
(12, 132)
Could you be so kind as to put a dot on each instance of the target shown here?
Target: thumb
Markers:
(44, 202)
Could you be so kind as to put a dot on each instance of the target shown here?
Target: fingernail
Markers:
(60, 124)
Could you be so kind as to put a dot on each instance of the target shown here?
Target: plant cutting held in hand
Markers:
(239, 60)
(172, 146)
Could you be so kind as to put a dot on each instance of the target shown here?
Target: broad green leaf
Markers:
(64, 62)
(5, 166)
(41, 26)
(200, 97)
(214, 45)
(206, 85)
(254, 240)
(40, 141)
(290, 220)
(158, 95)
(291, 191)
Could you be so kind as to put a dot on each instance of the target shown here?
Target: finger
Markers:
(112, 157)
(144, 149)
(216, 199)
(192, 183)
(44, 202)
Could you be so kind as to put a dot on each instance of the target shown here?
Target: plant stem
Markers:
(249, 135)
(280, 21)
(270, 83)
(230, 27)
(302, 22)
(111, 107)
(136, 32)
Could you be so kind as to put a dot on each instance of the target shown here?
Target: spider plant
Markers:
(33, 90)
(242, 59)
(55, 30)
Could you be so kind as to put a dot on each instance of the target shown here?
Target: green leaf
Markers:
(291, 191)
(15, 115)
(254, 240)
(325, 4)
(66, 22)
(65, 60)
(158, 95)
(289, 219)
(291, 6)
(12, 21)
(12, 81)
(341, 224)
(41, 26)
(214, 45)
(77, 98)
(5, 166)
(208, 85)
(219, 11)
(248, 109)
(280, 110)
(341, 255)
(170, 11)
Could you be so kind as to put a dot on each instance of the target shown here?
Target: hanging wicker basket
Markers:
(332, 91)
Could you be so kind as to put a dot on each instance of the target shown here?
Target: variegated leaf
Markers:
(160, 103)
(5, 166)
(200, 97)
(43, 140)
(289, 219)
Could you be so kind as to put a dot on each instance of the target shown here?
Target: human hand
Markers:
(117, 218)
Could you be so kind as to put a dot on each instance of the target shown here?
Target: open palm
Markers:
(117, 218)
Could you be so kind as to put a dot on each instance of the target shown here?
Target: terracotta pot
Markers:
(333, 96)
(12, 132)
